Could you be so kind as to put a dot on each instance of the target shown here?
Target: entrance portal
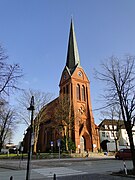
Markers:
(82, 144)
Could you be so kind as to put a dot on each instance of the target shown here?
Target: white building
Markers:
(109, 130)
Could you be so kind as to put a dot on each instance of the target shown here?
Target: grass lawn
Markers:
(37, 156)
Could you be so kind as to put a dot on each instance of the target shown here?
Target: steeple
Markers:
(73, 59)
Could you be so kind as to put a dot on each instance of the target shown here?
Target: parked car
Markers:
(123, 154)
(13, 150)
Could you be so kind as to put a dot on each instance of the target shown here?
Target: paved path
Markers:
(65, 169)
(62, 174)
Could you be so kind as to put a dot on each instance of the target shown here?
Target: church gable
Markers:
(80, 75)
(64, 77)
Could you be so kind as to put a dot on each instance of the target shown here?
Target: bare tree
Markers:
(7, 123)
(40, 99)
(64, 120)
(9, 75)
(119, 75)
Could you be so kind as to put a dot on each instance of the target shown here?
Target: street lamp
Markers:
(31, 108)
(22, 145)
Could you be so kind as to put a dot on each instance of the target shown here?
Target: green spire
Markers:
(73, 59)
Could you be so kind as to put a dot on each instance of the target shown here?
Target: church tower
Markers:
(76, 85)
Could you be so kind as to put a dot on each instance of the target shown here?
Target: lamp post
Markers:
(22, 145)
(31, 108)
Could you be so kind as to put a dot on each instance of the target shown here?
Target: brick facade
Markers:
(75, 84)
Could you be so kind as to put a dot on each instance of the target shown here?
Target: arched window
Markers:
(83, 93)
(67, 89)
(78, 92)
(63, 90)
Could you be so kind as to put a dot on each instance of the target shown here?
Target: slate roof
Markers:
(108, 122)
(73, 59)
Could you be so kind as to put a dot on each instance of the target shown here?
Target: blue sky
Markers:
(35, 35)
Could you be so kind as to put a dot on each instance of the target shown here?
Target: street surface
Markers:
(64, 169)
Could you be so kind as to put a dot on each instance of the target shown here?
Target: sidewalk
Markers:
(22, 165)
(21, 175)
(46, 168)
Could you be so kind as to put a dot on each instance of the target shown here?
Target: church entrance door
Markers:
(82, 144)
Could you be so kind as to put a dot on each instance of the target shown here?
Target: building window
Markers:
(64, 90)
(44, 137)
(67, 90)
(83, 93)
(107, 134)
(110, 126)
(78, 92)
(112, 134)
(103, 134)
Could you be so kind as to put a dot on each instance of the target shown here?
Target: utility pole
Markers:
(31, 108)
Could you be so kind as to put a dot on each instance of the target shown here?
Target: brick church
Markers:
(75, 84)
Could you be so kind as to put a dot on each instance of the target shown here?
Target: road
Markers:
(64, 169)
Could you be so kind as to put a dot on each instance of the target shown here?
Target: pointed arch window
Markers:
(67, 89)
(64, 91)
(78, 92)
(83, 93)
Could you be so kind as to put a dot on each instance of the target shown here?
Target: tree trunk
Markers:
(36, 134)
(116, 144)
(66, 143)
(36, 140)
(130, 135)
(132, 149)
(1, 143)
(35, 146)
(67, 138)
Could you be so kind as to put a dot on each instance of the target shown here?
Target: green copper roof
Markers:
(73, 59)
